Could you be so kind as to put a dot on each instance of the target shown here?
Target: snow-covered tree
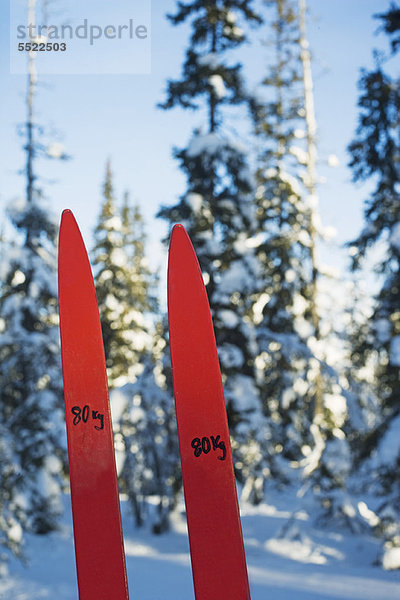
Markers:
(147, 440)
(143, 280)
(32, 441)
(282, 310)
(124, 285)
(304, 396)
(375, 153)
(142, 405)
(330, 463)
(216, 207)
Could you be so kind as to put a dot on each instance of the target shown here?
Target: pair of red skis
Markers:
(216, 544)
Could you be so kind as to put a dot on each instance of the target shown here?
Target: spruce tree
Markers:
(332, 401)
(375, 157)
(216, 207)
(143, 413)
(147, 426)
(148, 441)
(282, 309)
(124, 285)
(32, 446)
(303, 395)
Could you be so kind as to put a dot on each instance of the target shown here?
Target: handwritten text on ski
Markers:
(85, 414)
(206, 444)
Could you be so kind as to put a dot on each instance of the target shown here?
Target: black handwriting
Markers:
(84, 414)
(206, 444)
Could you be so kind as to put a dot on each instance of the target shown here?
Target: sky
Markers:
(115, 116)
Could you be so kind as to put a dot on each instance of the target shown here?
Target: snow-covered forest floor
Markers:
(318, 563)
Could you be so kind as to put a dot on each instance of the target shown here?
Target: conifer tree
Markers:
(124, 285)
(282, 310)
(302, 393)
(331, 399)
(143, 412)
(216, 207)
(148, 441)
(375, 157)
(147, 426)
(32, 447)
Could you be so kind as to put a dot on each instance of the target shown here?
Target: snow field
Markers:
(306, 563)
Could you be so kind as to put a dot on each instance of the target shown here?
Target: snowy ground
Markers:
(316, 564)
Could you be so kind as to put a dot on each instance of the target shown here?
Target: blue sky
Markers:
(101, 116)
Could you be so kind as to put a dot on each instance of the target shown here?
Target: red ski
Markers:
(215, 534)
(99, 550)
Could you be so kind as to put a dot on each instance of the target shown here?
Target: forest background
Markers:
(257, 130)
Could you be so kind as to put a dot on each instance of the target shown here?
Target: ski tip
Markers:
(178, 231)
(68, 225)
(179, 238)
(181, 250)
(67, 214)
(178, 227)
(68, 219)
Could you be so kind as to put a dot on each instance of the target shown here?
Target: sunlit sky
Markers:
(113, 116)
